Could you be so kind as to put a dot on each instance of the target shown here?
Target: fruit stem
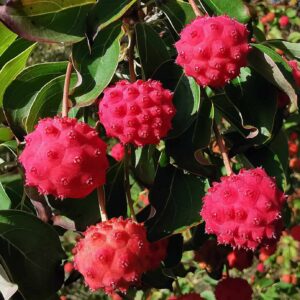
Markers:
(101, 201)
(65, 101)
(195, 8)
(132, 41)
(178, 288)
(221, 144)
(127, 182)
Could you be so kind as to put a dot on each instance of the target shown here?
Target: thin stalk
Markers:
(101, 201)
(65, 101)
(221, 144)
(132, 41)
(178, 288)
(127, 182)
(195, 8)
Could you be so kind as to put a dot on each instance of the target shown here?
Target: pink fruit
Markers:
(293, 136)
(114, 254)
(240, 259)
(68, 267)
(295, 232)
(213, 50)
(138, 113)
(296, 71)
(117, 152)
(64, 158)
(284, 21)
(233, 289)
(260, 268)
(244, 210)
(191, 296)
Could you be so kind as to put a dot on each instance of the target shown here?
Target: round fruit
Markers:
(296, 71)
(191, 296)
(240, 259)
(137, 113)
(114, 254)
(244, 210)
(260, 268)
(293, 149)
(64, 158)
(295, 232)
(284, 21)
(213, 50)
(293, 136)
(117, 152)
(233, 289)
(68, 267)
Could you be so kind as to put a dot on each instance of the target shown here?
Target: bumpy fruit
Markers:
(240, 259)
(244, 210)
(233, 289)
(138, 113)
(64, 158)
(191, 296)
(117, 152)
(296, 71)
(114, 254)
(213, 50)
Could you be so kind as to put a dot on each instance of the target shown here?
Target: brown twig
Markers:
(101, 201)
(195, 8)
(65, 101)
(221, 144)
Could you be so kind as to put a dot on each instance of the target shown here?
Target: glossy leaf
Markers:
(98, 67)
(176, 198)
(24, 89)
(287, 47)
(151, 48)
(4, 199)
(28, 242)
(7, 38)
(47, 21)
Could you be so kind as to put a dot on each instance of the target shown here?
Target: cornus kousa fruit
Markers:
(233, 289)
(240, 259)
(213, 50)
(114, 254)
(138, 113)
(296, 71)
(64, 158)
(117, 152)
(191, 296)
(244, 210)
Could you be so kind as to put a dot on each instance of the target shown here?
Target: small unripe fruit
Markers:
(295, 164)
(293, 149)
(266, 252)
(240, 259)
(64, 158)
(138, 113)
(68, 267)
(233, 289)
(213, 50)
(270, 16)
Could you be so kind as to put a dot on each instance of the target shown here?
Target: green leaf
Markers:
(186, 96)
(5, 134)
(106, 12)
(11, 69)
(28, 242)
(7, 38)
(4, 199)
(288, 48)
(98, 67)
(47, 102)
(233, 8)
(178, 12)
(47, 21)
(176, 198)
(22, 92)
(151, 49)
(275, 69)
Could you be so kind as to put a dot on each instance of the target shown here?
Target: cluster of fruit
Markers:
(243, 210)
(294, 152)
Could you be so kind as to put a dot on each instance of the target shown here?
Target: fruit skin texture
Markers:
(64, 158)
(114, 254)
(244, 210)
(191, 296)
(213, 49)
(233, 289)
(284, 21)
(117, 152)
(296, 71)
(295, 232)
(240, 259)
(138, 113)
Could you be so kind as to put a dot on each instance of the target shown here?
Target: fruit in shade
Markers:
(114, 254)
(267, 251)
(68, 267)
(240, 259)
(233, 289)
(289, 278)
(296, 71)
(138, 113)
(284, 21)
(115, 296)
(260, 268)
(117, 152)
(212, 50)
(244, 210)
(293, 136)
(63, 298)
(293, 148)
(295, 164)
(283, 100)
(191, 296)
(295, 232)
(64, 158)
(144, 197)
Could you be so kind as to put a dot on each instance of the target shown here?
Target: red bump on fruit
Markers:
(117, 152)
(138, 113)
(240, 259)
(233, 289)
(114, 254)
(213, 50)
(244, 210)
(64, 158)
(191, 296)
